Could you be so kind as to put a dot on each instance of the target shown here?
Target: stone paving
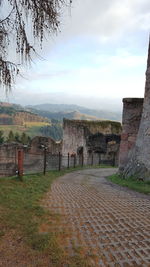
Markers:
(105, 219)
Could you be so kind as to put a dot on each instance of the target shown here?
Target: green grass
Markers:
(20, 211)
(132, 183)
(19, 201)
(32, 129)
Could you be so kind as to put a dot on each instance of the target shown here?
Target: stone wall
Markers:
(39, 142)
(33, 156)
(8, 158)
(101, 138)
(138, 163)
(132, 112)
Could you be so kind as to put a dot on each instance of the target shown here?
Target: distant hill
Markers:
(60, 111)
(15, 118)
(46, 119)
(11, 114)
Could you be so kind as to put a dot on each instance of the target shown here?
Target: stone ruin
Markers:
(33, 155)
(131, 117)
(92, 140)
(134, 159)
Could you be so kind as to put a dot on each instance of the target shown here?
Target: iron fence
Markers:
(24, 162)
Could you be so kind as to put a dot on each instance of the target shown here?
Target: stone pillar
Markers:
(132, 112)
(139, 162)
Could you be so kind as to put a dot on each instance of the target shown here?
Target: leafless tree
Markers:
(21, 22)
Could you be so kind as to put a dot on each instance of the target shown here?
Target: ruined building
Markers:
(132, 112)
(134, 159)
(92, 140)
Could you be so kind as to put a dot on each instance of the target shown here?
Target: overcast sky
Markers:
(100, 54)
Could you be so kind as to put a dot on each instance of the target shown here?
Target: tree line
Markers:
(54, 131)
(15, 137)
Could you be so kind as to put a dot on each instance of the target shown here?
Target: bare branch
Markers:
(44, 18)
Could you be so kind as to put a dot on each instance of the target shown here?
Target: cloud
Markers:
(100, 53)
(106, 19)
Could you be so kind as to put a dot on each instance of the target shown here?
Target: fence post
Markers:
(82, 160)
(45, 158)
(92, 159)
(59, 162)
(68, 160)
(99, 159)
(20, 163)
(74, 163)
(114, 159)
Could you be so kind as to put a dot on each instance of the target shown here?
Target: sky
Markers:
(98, 58)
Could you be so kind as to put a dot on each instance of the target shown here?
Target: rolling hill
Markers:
(16, 119)
(46, 119)
(56, 111)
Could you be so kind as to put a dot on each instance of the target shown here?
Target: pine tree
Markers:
(11, 137)
(24, 138)
(1, 137)
(17, 137)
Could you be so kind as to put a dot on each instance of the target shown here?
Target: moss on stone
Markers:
(114, 125)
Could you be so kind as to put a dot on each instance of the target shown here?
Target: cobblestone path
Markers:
(107, 220)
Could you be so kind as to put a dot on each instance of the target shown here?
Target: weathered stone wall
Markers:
(90, 137)
(8, 158)
(73, 136)
(138, 164)
(132, 112)
(33, 155)
(38, 142)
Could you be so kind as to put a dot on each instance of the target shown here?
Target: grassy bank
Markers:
(23, 218)
(132, 183)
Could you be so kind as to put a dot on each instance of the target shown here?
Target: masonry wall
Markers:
(132, 112)
(8, 159)
(33, 156)
(91, 136)
(139, 161)
(39, 142)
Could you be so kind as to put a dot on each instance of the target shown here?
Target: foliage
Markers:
(7, 110)
(10, 137)
(132, 183)
(17, 137)
(1, 137)
(42, 16)
(23, 138)
(55, 131)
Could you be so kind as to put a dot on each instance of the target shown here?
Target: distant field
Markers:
(36, 124)
(15, 128)
(30, 128)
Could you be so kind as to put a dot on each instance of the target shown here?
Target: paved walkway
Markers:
(105, 219)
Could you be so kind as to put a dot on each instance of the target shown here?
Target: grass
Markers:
(21, 211)
(132, 183)
(15, 128)
(34, 123)
(30, 128)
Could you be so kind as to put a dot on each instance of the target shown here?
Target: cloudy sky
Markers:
(98, 58)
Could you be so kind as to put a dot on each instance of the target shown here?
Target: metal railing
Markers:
(26, 163)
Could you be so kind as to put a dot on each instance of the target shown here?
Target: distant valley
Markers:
(60, 111)
(45, 119)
